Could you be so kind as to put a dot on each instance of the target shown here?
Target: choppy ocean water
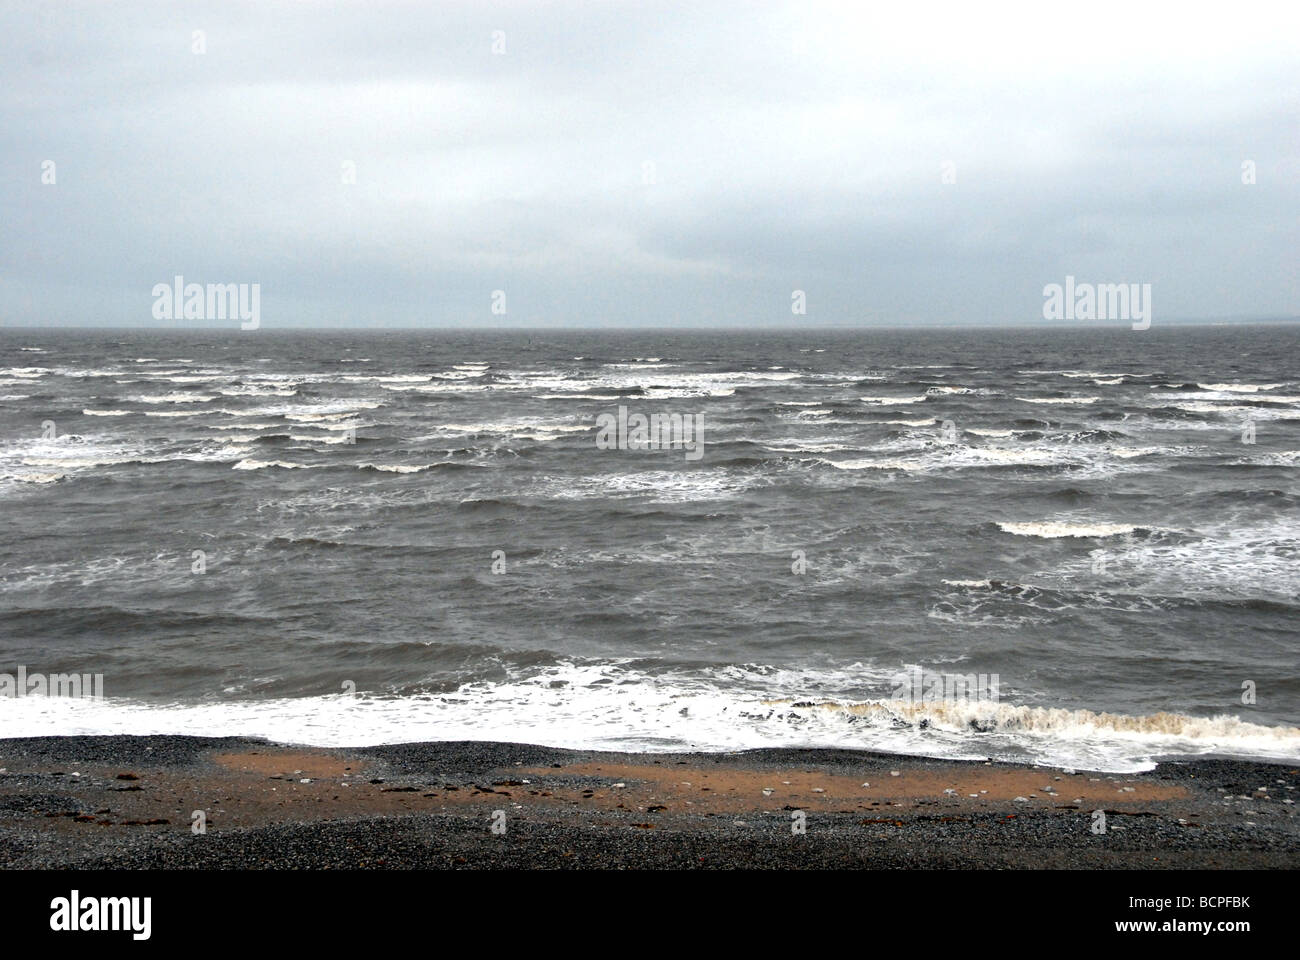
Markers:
(346, 538)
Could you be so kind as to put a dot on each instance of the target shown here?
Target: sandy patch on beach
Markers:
(679, 788)
(284, 785)
(304, 763)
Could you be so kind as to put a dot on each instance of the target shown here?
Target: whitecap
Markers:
(1056, 529)
(251, 464)
(1062, 400)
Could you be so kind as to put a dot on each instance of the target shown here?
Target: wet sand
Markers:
(131, 802)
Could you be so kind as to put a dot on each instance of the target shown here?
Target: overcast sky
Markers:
(646, 164)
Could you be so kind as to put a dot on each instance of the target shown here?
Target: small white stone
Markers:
(304, 780)
(893, 773)
(1022, 800)
(615, 785)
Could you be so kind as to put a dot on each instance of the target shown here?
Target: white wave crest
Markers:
(1054, 529)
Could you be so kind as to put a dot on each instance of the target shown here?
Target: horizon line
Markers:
(684, 328)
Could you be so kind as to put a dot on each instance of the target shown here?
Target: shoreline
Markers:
(129, 802)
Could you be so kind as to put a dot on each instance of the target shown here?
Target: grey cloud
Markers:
(778, 161)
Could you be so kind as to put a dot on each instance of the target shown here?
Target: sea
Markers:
(1069, 545)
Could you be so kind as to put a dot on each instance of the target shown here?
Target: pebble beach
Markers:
(168, 802)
